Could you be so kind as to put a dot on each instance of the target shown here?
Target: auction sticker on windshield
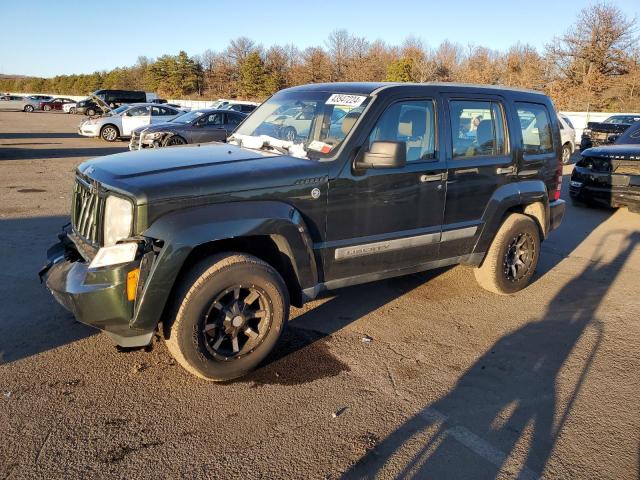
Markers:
(346, 100)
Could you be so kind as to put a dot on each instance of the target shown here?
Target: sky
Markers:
(47, 38)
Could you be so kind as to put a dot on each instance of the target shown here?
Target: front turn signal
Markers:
(132, 284)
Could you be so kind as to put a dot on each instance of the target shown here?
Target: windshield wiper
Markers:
(261, 142)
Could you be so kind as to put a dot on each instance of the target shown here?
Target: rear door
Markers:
(479, 161)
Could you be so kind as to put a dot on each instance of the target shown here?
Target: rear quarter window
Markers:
(536, 130)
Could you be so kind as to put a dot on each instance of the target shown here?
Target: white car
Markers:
(568, 136)
(69, 107)
(120, 122)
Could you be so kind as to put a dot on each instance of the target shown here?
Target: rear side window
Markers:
(412, 122)
(536, 128)
(477, 128)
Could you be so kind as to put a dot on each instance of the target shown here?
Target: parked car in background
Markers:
(197, 126)
(240, 107)
(115, 98)
(54, 104)
(70, 107)
(88, 107)
(41, 98)
(17, 102)
(120, 122)
(610, 174)
(568, 137)
(606, 132)
(207, 246)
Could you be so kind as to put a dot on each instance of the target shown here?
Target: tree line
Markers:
(594, 65)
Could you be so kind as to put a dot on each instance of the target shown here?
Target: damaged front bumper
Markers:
(96, 296)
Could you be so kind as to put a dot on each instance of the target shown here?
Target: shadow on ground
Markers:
(508, 394)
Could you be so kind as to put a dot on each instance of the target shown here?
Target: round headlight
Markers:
(118, 219)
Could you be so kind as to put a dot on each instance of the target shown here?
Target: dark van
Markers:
(115, 98)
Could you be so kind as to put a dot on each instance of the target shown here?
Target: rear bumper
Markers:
(556, 213)
(96, 297)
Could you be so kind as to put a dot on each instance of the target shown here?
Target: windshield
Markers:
(188, 117)
(315, 123)
(631, 136)
(120, 109)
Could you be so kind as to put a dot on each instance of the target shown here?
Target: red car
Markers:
(55, 104)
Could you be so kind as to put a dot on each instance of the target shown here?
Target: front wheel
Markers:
(229, 313)
(174, 140)
(91, 112)
(290, 134)
(28, 108)
(512, 257)
(109, 133)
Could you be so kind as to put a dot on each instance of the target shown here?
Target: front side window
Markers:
(536, 136)
(411, 122)
(215, 119)
(477, 128)
(138, 111)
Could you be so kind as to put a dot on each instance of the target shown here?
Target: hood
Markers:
(614, 152)
(157, 175)
(159, 127)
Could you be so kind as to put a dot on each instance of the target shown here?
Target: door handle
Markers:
(505, 170)
(438, 177)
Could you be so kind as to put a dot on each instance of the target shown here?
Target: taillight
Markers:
(556, 194)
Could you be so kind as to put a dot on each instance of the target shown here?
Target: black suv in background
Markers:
(211, 244)
(609, 175)
(115, 98)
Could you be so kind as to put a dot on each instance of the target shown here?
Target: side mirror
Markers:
(384, 155)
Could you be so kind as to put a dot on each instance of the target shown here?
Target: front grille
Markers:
(134, 143)
(87, 211)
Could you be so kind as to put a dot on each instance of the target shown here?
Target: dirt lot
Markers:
(456, 382)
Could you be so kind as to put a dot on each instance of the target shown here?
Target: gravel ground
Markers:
(425, 376)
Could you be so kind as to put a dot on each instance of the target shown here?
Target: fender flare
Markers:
(518, 194)
(182, 231)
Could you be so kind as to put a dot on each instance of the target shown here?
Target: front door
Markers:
(134, 118)
(210, 128)
(387, 219)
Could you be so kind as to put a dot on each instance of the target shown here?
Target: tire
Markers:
(46, 108)
(72, 111)
(566, 154)
(206, 316)
(496, 274)
(90, 112)
(174, 140)
(109, 133)
(28, 108)
(289, 134)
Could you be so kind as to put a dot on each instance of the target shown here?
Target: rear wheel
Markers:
(109, 133)
(72, 110)
(512, 257)
(228, 314)
(566, 153)
(28, 108)
(47, 108)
